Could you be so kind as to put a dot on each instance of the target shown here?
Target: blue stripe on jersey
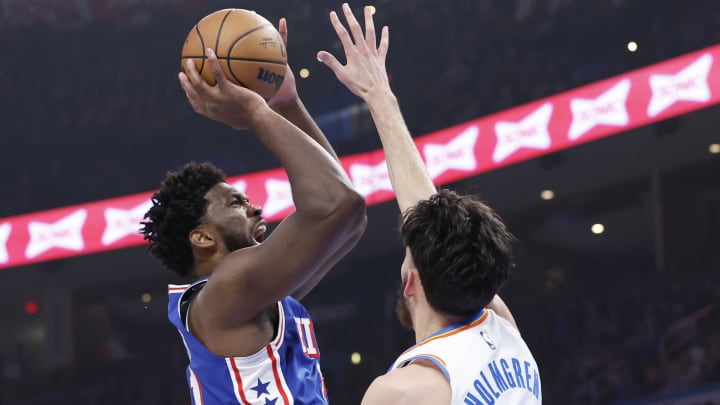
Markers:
(296, 375)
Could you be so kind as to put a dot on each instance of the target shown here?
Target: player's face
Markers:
(401, 307)
(239, 222)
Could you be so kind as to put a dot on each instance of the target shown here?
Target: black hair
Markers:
(179, 207)
(461, 249)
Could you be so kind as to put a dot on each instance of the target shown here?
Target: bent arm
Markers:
(328, 209)
(328, 212)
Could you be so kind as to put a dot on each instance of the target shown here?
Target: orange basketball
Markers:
(249, 48)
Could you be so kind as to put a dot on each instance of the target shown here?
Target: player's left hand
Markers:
(287, 93)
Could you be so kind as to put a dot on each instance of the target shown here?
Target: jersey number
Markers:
(307, 337)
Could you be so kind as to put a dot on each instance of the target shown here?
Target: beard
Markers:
(401, 307)
(233, 240)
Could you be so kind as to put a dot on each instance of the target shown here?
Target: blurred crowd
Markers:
(638, 335)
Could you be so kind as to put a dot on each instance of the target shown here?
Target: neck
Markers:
(203, 269)
(427, 321)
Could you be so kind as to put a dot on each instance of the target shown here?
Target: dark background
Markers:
(92, 109)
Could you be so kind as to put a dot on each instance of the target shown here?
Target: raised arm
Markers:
(328, 209)
(287, 103)
(365, 75)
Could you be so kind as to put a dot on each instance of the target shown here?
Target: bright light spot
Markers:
(714, 148)
(355, 358)
(31, 307)
(597, 229)
(146, 298)
(547, 194)
(372, 10)
(304, 73)
(632, 46)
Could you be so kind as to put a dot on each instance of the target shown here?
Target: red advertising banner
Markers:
(598, 110)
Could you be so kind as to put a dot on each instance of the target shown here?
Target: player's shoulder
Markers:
(418, 383)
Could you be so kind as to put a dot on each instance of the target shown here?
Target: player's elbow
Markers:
(356, 210)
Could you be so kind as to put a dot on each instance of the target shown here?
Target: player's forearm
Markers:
(296, 113)
(319, 183)
(408, 175)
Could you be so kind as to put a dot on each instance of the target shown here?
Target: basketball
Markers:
(249, 48)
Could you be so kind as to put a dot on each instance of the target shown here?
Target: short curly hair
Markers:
(461, 249)
(179, 207)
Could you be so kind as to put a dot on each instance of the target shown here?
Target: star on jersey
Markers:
(4, 236)
(607, 109)
(279, 197)
(689, 84)
(530, 132)
(65, 233)
(269, 401)
(370, 178)
(457, 154)
(123, 222)
(260, 388)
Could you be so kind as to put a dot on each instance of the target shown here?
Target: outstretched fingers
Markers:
(384, 42)
(341, 32)
(370, 38)
(354, 25)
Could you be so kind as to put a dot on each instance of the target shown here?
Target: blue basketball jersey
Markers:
(285, 372)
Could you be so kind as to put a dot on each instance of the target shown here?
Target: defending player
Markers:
(248, 341)
(458, 254)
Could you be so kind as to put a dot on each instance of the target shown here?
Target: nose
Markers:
(255, 210)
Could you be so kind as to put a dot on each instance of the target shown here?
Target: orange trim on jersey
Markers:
(451, 332)
(420, 357)
(278, 382)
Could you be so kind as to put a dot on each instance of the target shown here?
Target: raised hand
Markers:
(224, 102)
(365, 70)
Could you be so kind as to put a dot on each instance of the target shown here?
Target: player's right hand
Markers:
(224, 102)
(364, 72)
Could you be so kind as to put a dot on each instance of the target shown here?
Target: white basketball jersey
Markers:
(485, 359)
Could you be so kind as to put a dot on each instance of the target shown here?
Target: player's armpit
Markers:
(416, 384)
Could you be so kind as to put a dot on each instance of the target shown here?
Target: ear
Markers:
(413, 284)
(200, 237)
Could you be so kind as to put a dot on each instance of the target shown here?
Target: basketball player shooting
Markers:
(248, 340)
(457, 256)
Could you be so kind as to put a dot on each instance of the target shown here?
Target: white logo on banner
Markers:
(66, 233)
(370, 178)
(120, 223)
(607, 109)
(240, 185)
(4, 236)
(690, 84)
(279, 197)
(457, 154)
(530, 132)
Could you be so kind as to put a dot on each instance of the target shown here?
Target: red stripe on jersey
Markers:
(314, 341)
(241, 391)
(276, 373)
(197, 382)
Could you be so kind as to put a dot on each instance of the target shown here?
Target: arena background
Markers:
(92, 111)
